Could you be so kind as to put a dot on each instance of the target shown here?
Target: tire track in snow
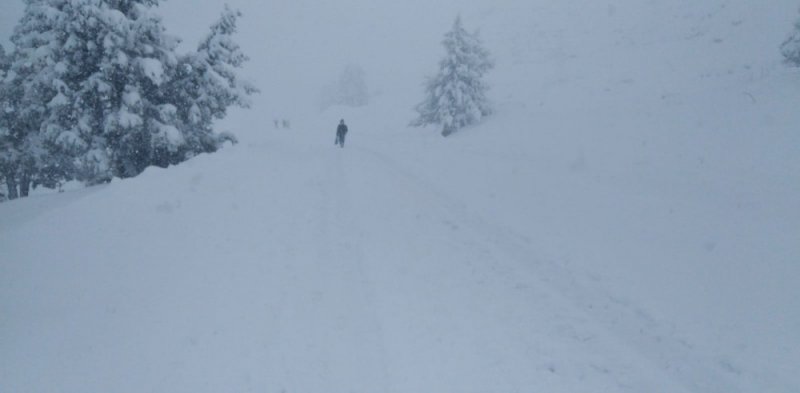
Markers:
(373, 368)
(635, 328)
(458, 317)
(331, 336)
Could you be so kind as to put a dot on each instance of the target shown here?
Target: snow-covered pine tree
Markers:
(123, 102)
(8, 148)
(28, 91)
(456, 96)
(96, 89)
(5, 63)
(352, 89)
(207, 84)
(791, 47)
(88, 73)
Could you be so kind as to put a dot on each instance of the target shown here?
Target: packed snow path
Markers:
(289, 265)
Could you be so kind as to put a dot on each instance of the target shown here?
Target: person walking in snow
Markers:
(341, 131)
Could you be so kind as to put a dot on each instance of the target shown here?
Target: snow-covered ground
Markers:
(628, 220)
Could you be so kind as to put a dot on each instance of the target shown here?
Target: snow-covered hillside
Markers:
(628, 220)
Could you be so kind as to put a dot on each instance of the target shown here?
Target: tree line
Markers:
(95, 89)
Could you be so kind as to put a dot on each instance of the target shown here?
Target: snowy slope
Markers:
(629, 219)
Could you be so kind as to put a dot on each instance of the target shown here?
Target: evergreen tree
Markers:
(26, 95)
(95, 89)
(81, 68)
(456, 96)
(11, 141)
(791, 47)
(122, 105)
(5, 63)
(352, 88)
(349, 90)
(206, 85)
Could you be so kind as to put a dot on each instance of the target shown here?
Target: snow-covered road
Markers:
(391, 284)
(285, 264)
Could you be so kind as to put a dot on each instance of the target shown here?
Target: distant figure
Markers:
(286, 124)
(341, 131)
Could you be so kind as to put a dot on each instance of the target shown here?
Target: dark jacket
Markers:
(342, 129)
